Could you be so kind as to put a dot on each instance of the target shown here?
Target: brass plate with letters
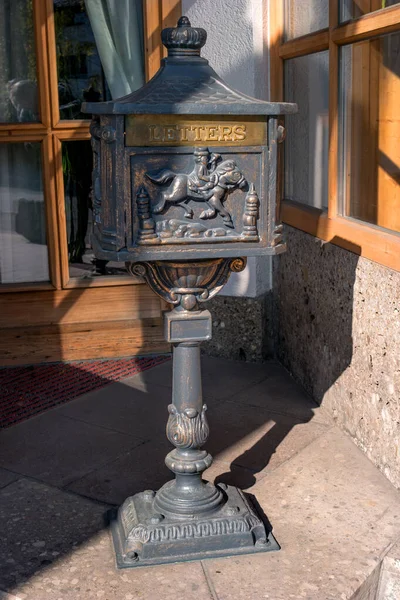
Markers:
(192, 130)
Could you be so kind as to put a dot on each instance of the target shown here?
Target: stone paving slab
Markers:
(222, 378)
(257, 439)
(7, 596)
(388, 587)
(139, 403)
(140, 469)
(39, 525)
(279, 393)
(55, 546)
(333, 512)
(90, 573)
(124, 407)
(160, 375)
(334, 515)
(250, 459)
(7, 477)
(56, 449)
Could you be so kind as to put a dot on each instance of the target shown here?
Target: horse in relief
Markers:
(209, 182)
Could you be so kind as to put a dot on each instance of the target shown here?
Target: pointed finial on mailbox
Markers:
(184, 40)
(184, 22)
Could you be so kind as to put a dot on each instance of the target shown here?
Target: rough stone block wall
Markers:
(242, 328)
(337, 318)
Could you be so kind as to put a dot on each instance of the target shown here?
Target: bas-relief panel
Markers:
(195, 196)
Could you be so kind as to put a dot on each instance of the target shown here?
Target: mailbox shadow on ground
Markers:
(327, 296)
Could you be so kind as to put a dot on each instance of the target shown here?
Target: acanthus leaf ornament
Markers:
(187, 429)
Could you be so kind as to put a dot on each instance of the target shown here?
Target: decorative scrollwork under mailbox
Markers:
(184, 189)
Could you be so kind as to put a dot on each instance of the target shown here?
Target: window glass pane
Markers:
(305, 16)
(80, 76)
(306, 145)
(23, 249)
(77, 170)
(352, 9)
(18, 85)
(370, 131)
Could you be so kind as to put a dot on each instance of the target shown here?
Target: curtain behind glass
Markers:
(23, 249)
(18, 88)
(118, 30)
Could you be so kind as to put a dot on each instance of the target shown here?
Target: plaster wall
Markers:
(337, 319)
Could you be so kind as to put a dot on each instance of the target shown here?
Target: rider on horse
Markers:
(203, 171)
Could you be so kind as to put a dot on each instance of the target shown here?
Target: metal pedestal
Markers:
(188, 518)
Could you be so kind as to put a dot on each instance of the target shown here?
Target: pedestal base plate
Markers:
(143, 537)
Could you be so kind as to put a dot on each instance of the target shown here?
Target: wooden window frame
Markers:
(51, 132)
(370, 241)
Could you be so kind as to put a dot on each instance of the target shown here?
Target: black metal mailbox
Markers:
(185, 165)
(184, 189)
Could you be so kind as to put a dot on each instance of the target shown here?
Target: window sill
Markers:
(362, 239)
(33, 286)
(101, 281)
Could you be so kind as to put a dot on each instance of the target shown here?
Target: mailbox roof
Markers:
(188, 86)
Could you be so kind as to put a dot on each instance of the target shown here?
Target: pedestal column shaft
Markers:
(187, 396)
(186, 377)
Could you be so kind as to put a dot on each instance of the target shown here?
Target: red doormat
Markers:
(27, 391)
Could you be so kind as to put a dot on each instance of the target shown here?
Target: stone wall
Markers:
(242, 328)
(337, 319)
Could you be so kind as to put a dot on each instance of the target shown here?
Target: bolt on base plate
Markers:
(143, 538)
